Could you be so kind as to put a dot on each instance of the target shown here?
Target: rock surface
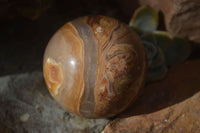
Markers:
(181, 118)
(181, 82)
(171, 105)
(26, 106)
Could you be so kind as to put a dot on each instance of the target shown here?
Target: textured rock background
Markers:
(26, 106)
(180, 118)
(167, 106)
(181, 82)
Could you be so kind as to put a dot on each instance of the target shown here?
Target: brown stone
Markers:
(181, 16)
(180, 118)
(171, 105)
(91, 62)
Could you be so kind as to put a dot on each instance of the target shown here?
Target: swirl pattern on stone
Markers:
(94, 66)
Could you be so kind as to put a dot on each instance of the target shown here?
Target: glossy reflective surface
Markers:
(94, 66)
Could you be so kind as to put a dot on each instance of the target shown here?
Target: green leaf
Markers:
(150, 49)
(154, 54)
(137, 31)
(178, 51)
(158, 59)
(145, 18)
(163, 39)
(148, 37)
(149, 41)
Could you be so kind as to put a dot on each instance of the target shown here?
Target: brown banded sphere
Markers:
(94, 66)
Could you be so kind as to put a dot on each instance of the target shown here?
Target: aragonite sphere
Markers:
(94, 66)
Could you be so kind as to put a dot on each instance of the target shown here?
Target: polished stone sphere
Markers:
(94, 66)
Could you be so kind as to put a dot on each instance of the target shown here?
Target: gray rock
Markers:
(27, 107)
